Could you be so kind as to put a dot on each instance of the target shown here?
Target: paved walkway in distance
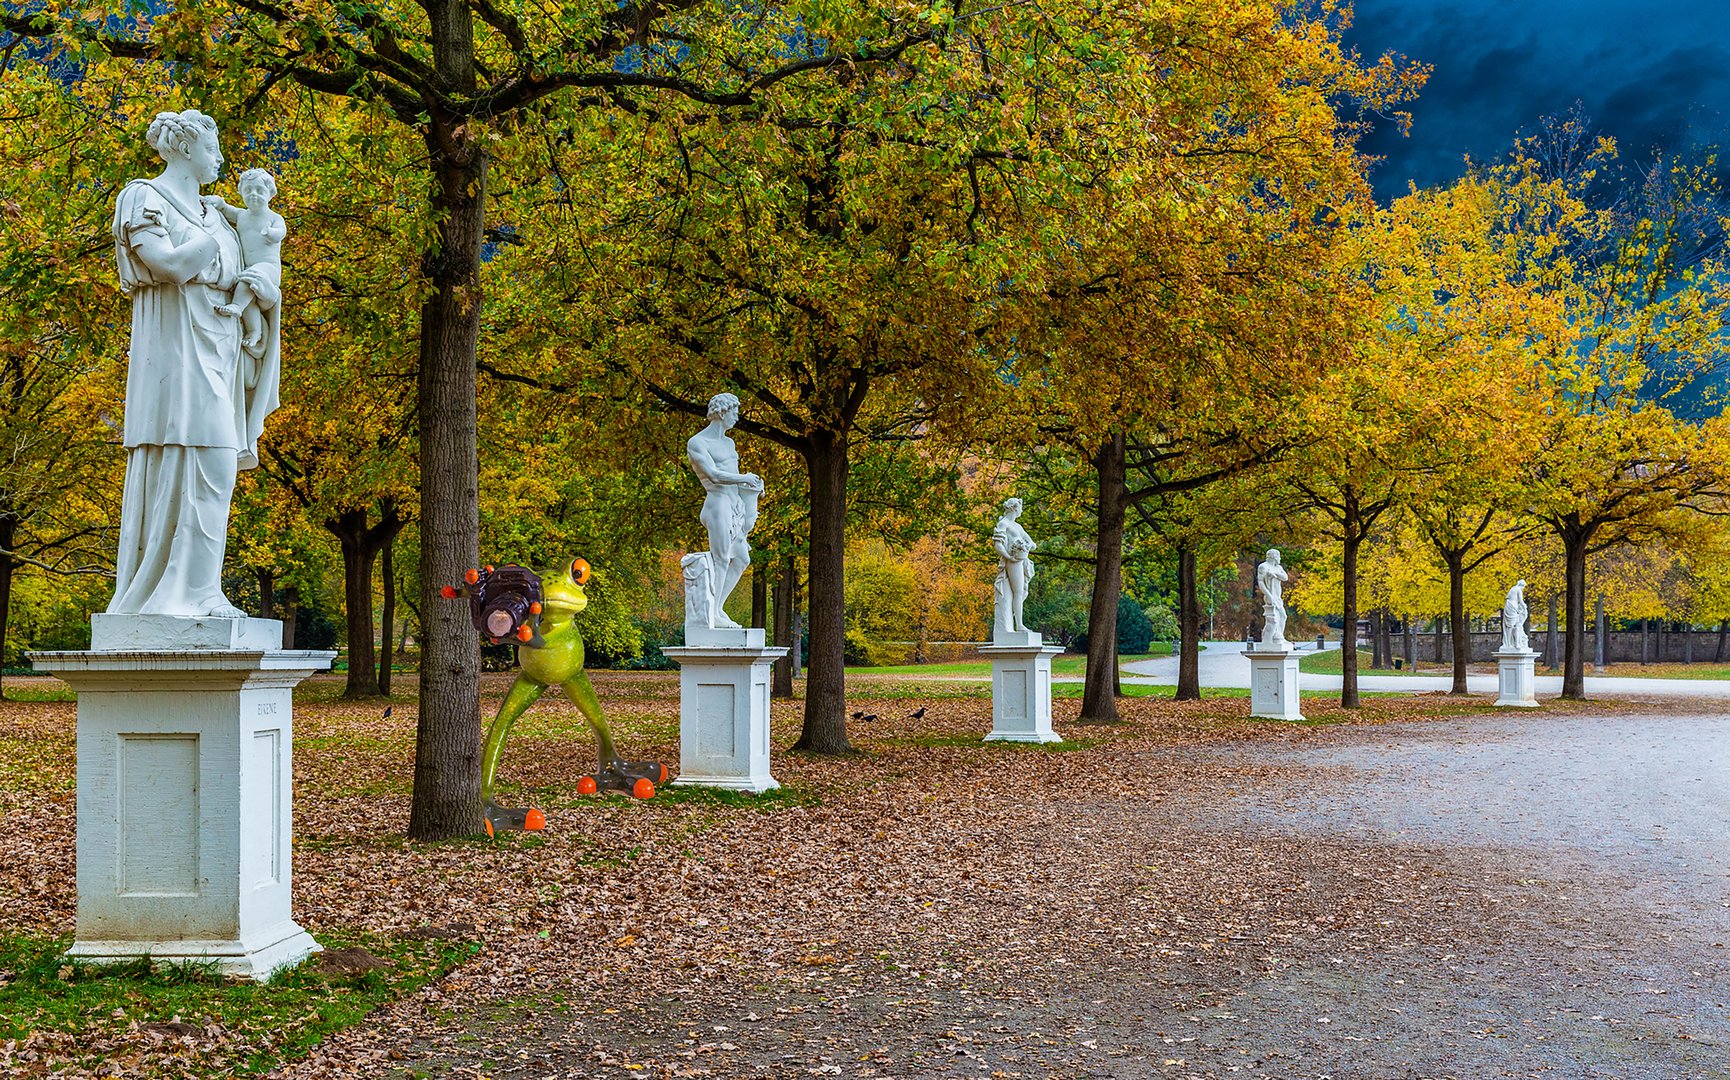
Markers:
(1601, 953)
(1222, 665)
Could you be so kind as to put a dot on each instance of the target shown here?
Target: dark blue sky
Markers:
(1651, 74)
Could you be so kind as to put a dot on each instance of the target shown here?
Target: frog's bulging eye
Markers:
(580, 571)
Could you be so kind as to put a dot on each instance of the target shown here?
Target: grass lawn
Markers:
(120, 1016)
(1660, 671)
(1329, 663)
(1066, 664)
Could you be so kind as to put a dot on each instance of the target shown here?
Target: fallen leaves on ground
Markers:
(927, 865)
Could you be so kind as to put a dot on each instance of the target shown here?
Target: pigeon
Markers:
(917, 714)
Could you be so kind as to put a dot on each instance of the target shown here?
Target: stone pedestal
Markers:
(724, 709)
(1020, 687)
(1517, 678)
(1273, 683)
(185, 780)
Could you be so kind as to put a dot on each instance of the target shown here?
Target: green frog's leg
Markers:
(582, 694)
(612, 773)
(523, 693)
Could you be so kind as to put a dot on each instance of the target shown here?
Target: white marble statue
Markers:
(1270, 578)
(1514, 612)
(262, 232)
(729, 507)
(1014, 568)
(193, 416)
(699, 590)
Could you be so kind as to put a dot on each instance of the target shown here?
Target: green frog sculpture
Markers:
(537, 611)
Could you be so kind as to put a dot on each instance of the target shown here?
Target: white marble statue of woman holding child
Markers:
(202, 372)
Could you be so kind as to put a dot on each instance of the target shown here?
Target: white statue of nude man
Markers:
(730, 505)
(262, 231)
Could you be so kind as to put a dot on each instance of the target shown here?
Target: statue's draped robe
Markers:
(191, 424)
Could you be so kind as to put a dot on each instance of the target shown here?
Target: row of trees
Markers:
(1127, 252)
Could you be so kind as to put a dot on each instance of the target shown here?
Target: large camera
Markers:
(504, 601)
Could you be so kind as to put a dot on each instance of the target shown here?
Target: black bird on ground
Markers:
(867, 717)
(917, 714)
(859, 715)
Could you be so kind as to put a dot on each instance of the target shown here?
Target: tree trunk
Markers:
(781, 676)
(1099, 695)
(798, 653)
(1436, 628)
(1663, 640)
(1550, 636)
(290, 614)
(8, 536)
(387, 616)
(1377, 660)
(361, 545)
(350, 530)
(759, 598)
(1723, 636)
(266, 576)
(1574, 639)
(1688, 645)
(1645, 641)
(1352, 539)
(447, 775)
(1410, 643)
(825, 730)
(1457, 619)
(1601, 636)
(1188, 627)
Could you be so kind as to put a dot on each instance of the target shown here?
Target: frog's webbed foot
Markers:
(636, 777)
(509, 819)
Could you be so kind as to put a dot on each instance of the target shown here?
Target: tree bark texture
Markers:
(1352, 539)
(781, 676)
(447, 776)
(290, 615)
(266, 591)
(1550, 655)
(1099, 694)
(1188, 627)
(1457, 619)
(8, 536)
(1574, 604)
(825, 730)
(759, 598)
(361, 544)
(387, 614)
